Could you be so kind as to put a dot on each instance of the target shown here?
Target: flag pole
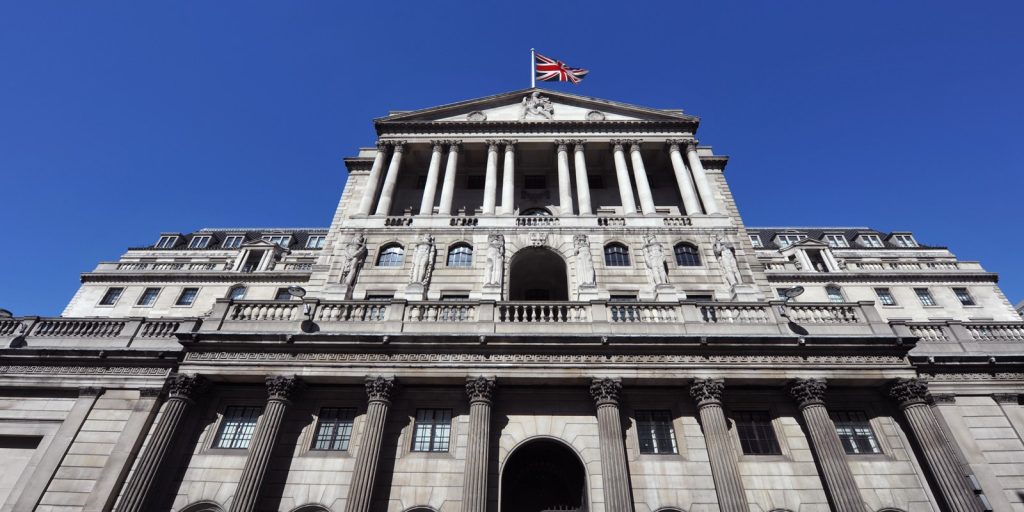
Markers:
(533, 72)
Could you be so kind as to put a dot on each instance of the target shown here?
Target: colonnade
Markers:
(694, 186)
(911, 395)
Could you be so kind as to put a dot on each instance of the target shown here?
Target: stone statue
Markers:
(537, 105)
(423, 257)
(351, 258)
(654, 259)
(495, 260)
(727, 260)
(584, 262)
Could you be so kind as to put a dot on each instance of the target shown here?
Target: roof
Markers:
(299, 236)
(768, 234)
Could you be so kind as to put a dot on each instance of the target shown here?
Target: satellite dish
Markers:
(300, 292)
(790, 293)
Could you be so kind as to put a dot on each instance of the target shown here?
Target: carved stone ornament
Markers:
(808, 391)
(186, 385)
(606, 391)
(595, 115)
(495, 270)
(379, 389)
(480, 389)
(707, 391)
(536, 105)
(423, 258)
(585, 275)
(351, 258)
(476, 115)
(910, 391)
(280, 387)
(538, 239)
(655, 261)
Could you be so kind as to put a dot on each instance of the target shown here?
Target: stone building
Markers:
(528, 302)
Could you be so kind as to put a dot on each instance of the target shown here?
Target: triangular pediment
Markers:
(537, 105)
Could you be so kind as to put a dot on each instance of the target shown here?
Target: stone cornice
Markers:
(186, 276)
(546, 127)
(887, 276)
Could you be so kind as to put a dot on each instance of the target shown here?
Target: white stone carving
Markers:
(423, 260)
(585, 276)
(654, 261)
(476, 115)
(351, 258)
(595, 115)
(726, 255)
(538, 239)
(495, 261)
(536, 105)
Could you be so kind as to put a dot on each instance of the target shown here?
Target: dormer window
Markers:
(755, 240)
(788, 240)
(904, 240)
(836, 240)
(873, 241)
(233, 241)
(315, 242)
(166, 242)
(199, 242)
(282, 240)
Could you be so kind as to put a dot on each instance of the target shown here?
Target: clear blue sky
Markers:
(119, 120)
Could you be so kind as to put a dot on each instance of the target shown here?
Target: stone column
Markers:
(643, 187)
(724, 468)
(372, 181)
(474, 487)
(840, 485)
(491, 178)
(701, 179)
(564, 180)
(390, 180)
(508, 179)
(614, 466)
(280, 391)
(582, 180)
(182, 391)
(430, 188)
(691, 204)
(360, 491)
(956, 491)
(448, 188)
(622, 177)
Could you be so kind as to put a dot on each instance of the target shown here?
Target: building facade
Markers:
(528, 302)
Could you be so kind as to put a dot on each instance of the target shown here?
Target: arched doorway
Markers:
(536, 273)
(541, 476)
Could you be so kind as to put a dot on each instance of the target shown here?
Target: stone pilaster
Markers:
(387, 192)
(724, 467)
(360, 491)
(956, 491)
(182, 391)
(840, 485)
(280, 391)
(614, 467)
(474, 488)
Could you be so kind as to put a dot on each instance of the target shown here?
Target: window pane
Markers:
(855, 432)
(925, 296)
(755, 240)
(238, 426)
(616, 255)
(834, 294)
(237, 293)
(111, 296)
(885, 297)
(334, 428)
(283, 294)
(187, 297)
(964, 296)
(655, 432)
(391, 256)
(460, 256)
(757, 437)
(433, 430)
(148, 296)
(687, 256)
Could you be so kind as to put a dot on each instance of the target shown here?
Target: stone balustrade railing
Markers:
(882, 266)
(536, 220)
(131, 332)
(163, 266)
(542, 312)
(950, 336)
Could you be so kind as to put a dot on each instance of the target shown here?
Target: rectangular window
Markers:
(855, 432)
(700, 297)
(596, 181)
(654, 430)
(474, 182)
(199, 242)
(925, 296)
(315, 241)
(166, 242)
(787, 240)
(781, 293)
(282, 240)
(187, 297)
(282, 294)
(334, 428)
(110, 298)
(835, 294)
(755, 240)
(885, 297)
(237, 427)
(433, 430)
(380, 297)
(537, 181)
(148, 297)
(757, 437)
(455, 296)
(836, 241)
(871, 241)
(233, 241)
(904, 240)
(964, 296)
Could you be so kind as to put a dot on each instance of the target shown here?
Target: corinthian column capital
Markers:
(606, 391)
(379, 389)
(382, 145)
(280, 387)
(707, 391)
(187, 386)
(808, 391)
(480, 389)
(908, 392)
(634, 145)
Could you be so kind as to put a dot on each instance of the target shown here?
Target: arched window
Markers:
(203, 506)
(237, 292)
(835, 293)
(535, 212)
(390, 256)
(460, 255)
(313, 507)
(616, 255)
(687, 255)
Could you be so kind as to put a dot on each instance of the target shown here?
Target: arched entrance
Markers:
(536, 273)
(541, 476)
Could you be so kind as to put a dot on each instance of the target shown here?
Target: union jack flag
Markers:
(550, 69)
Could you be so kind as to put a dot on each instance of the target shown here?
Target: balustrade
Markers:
(644, 313)
(79, 328)
(929, 333)
(996, 331)
(443, 312)
(463, 221)
(159, 328)
(611, 221)
(540, 312)
(265, 311)
(398, 221)
(9, 326)
(735, 314)
(677, 221)
(536, 220)
(823, 314)
(351, 312)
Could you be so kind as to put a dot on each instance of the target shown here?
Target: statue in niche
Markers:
(726, 255)
(423, 259)
(654, 260)
(351, 258)
(536, 105)
(495, 260)
(584, 262)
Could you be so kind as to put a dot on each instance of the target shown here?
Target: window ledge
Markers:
(327, 454)
(763, 458)
(430, 455)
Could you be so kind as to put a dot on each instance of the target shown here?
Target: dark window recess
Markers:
(855, 432)
(616, 255)
(252, 261)
(433, 430)
(535, 181)
(595, 181)
(380, 297)
(757, 437)
(455, 296)
(475, 182)
(237, 427)
(687, 255)
(421, 182)
(704, 297)
(654, 430)
(334, 428)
